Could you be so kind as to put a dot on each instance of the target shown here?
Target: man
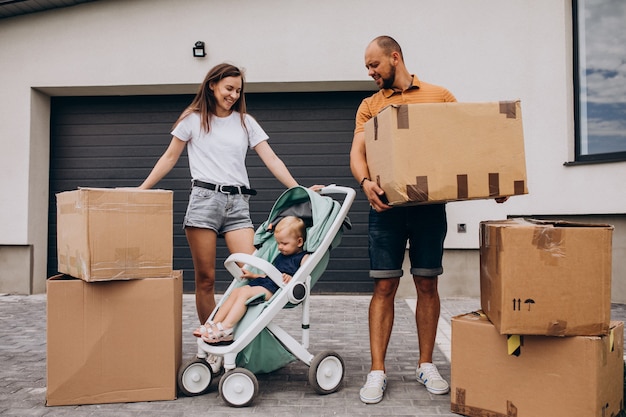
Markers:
(424, 226)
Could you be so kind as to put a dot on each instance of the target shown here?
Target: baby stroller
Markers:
(259, 345)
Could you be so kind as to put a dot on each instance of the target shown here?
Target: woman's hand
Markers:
(317, 187)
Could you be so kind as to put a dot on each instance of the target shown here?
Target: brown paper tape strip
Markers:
(460, 408)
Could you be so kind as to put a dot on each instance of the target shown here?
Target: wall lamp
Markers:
(198, 50)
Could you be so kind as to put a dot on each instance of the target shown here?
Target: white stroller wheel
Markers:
(194, 378)
(239, 387)
(326, 372)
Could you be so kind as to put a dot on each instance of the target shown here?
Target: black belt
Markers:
(226, 189)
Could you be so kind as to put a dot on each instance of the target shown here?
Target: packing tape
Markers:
(375, 128)
(551, 242)
(403, 116)
(494, 184)
(514, 344)
(557, 328)
(459, 407)
(68, 208)
(419, 190)
(509, 108)
(519, 187)
(462, 187)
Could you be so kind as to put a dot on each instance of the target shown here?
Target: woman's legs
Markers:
(202, 243)
(240, 241)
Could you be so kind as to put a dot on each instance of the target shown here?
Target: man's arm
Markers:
(360, 170)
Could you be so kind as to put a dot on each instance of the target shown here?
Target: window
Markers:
(600, 79)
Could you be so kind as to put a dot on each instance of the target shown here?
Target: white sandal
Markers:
(221, 337)
(204, 330)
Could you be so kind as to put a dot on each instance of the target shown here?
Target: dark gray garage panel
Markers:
(115, 141)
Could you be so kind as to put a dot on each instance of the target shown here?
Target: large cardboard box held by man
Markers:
(114, 341)
(427, 153)
(580, 376)
(110, 234)
(546, 277)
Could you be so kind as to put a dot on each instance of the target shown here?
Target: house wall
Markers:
(483, 50)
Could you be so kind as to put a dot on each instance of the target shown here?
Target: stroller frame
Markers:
(238, 386)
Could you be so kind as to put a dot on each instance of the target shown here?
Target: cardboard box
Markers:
(426, 153)
(110, 234)
(580, 376)
(114, 341)
(546, 277)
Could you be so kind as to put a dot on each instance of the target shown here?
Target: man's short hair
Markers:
(389, 45)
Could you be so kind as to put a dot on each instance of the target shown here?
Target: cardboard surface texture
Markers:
(427, 153)
(111, 234)
(115, 341)
(579, 376)
(546, 277)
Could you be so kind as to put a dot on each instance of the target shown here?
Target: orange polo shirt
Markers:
(418, 92)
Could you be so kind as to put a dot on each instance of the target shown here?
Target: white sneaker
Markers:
(215, 362)
(372, 391)
(428, 375)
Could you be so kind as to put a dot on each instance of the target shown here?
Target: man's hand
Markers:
(375, 195)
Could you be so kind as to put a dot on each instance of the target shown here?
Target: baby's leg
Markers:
(222, 312)
(238, 307)
(208, 328)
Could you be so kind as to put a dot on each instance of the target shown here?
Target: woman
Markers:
(217, 132)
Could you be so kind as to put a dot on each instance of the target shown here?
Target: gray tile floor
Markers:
(337, 322)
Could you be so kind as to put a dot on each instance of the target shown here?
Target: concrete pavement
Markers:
(338, 323)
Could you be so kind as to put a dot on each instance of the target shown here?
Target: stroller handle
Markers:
(338, 189)
(270, 270)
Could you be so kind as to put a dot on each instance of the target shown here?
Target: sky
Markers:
(603, 52)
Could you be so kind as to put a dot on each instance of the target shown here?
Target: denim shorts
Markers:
(424, 226)
(208, 209)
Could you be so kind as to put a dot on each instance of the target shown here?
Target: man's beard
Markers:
(388, 82)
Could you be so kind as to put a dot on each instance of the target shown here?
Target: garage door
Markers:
(115, 141)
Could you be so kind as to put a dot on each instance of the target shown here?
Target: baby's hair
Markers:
(293, 224)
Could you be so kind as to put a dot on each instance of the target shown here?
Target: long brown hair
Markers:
(204, 102)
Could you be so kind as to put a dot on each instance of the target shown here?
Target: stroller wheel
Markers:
(194, 377)
(239, 387)
(326, 372)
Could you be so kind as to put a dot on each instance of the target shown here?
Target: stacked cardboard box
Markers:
(110, 234)
(543, 344)
(114, 314)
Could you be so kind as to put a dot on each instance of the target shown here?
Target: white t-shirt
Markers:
(219, 157)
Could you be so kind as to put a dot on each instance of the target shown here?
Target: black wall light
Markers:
(198, 50)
